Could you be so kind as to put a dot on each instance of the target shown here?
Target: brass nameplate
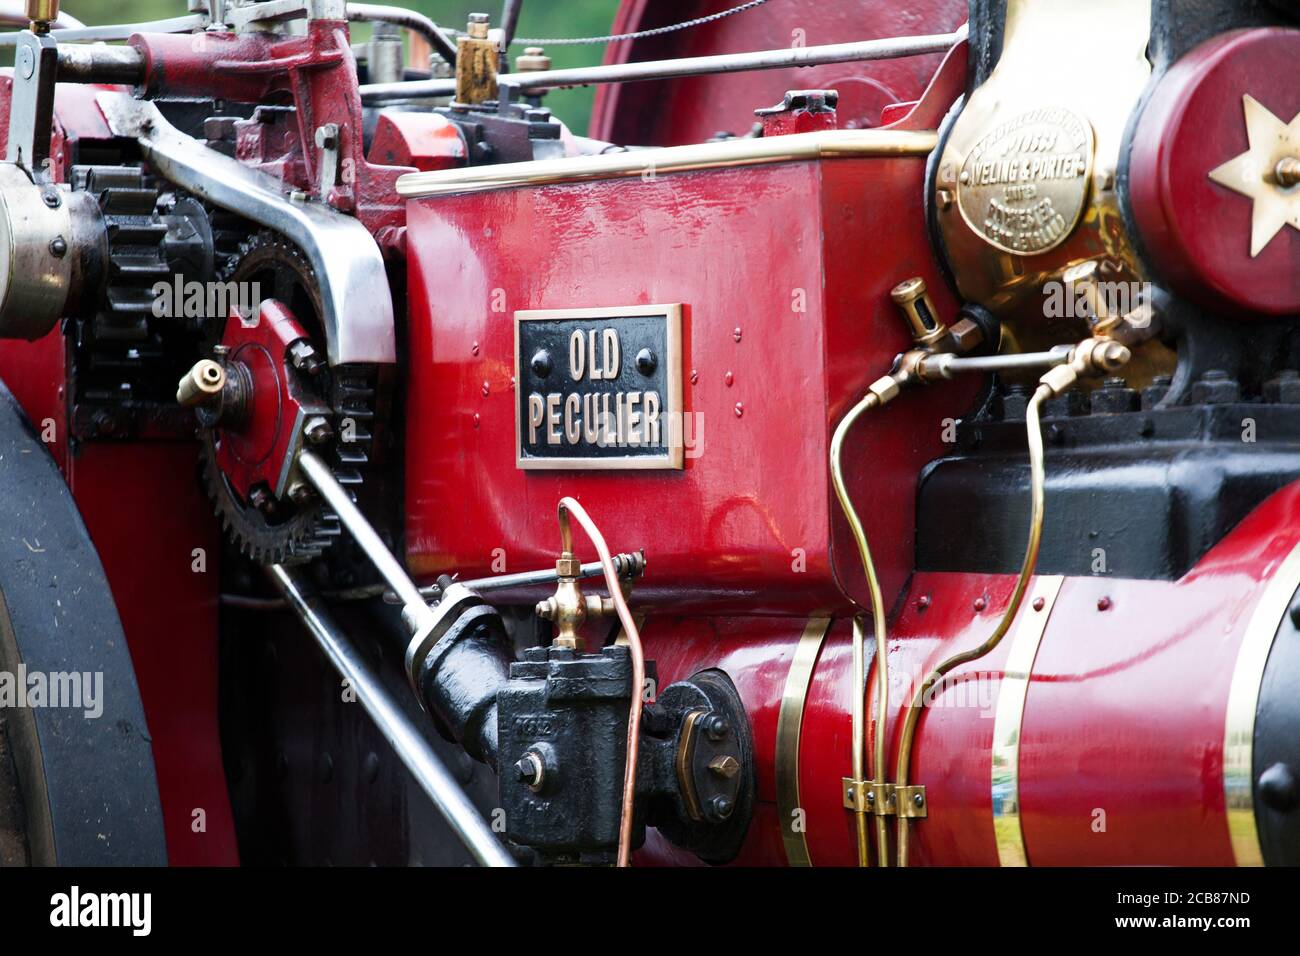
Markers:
(1023, 186)
(599, 388)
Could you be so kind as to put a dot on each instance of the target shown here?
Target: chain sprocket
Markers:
(293, 531)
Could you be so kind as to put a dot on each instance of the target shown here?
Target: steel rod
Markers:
(947, 363)
(688, 66)
(433, 776)
(120, 31)
(523, 579)
(417, 612)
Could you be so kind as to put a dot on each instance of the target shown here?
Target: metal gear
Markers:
(297, 530)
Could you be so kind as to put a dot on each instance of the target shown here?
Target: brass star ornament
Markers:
(1268, 172)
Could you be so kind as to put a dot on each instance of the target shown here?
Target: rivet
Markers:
(473, 349)
(735, 333)
(485, 389)
(980, 603)
(729, 379)
(1103, 603)
(695, 376)
(370, 767)
(1039, 604)
(740, 409)
(923, 602)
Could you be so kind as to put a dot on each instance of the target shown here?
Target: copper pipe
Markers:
(869, 401)
(1037, 497)
(568, 505)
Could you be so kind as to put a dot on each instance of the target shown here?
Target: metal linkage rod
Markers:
(417, 613)
(688, 66)
(410, 745)
(411, 20)
(627, 565)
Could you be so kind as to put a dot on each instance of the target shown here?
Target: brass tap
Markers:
(568, 608)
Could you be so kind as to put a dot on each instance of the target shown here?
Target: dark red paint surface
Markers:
(146, 513)
(692, 109)
(1196, 231)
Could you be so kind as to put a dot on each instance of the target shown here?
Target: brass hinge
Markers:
(883, 799)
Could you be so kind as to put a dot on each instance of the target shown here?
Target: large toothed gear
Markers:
(280, 519)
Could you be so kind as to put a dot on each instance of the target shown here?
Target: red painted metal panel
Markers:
(1125, 711)
(743, 249)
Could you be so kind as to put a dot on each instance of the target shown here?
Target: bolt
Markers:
(923, 602)
(317, 431)
(715, 726)
(58, 247)
(725, 766)
(531, 771)
(327, 136)
(51, 197)
(646, 362)
(722, 806)
(918, 799)
(262, 499)
(541, 364)
(303, 357)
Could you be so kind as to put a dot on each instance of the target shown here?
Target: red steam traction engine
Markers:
(875, 443)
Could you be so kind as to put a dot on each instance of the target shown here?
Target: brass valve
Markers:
(568, 608)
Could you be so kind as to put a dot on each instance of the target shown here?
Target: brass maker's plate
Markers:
(1024, 185)
(599, 388)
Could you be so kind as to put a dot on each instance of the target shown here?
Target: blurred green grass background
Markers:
(540, 18)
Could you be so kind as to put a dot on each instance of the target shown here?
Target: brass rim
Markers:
(1009, 717)
(650, 163)
(789, 724)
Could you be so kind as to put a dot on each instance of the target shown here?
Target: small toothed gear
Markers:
(295, 529)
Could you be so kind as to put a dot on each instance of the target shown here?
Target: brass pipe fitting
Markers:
(202, 384)
(42, 13)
